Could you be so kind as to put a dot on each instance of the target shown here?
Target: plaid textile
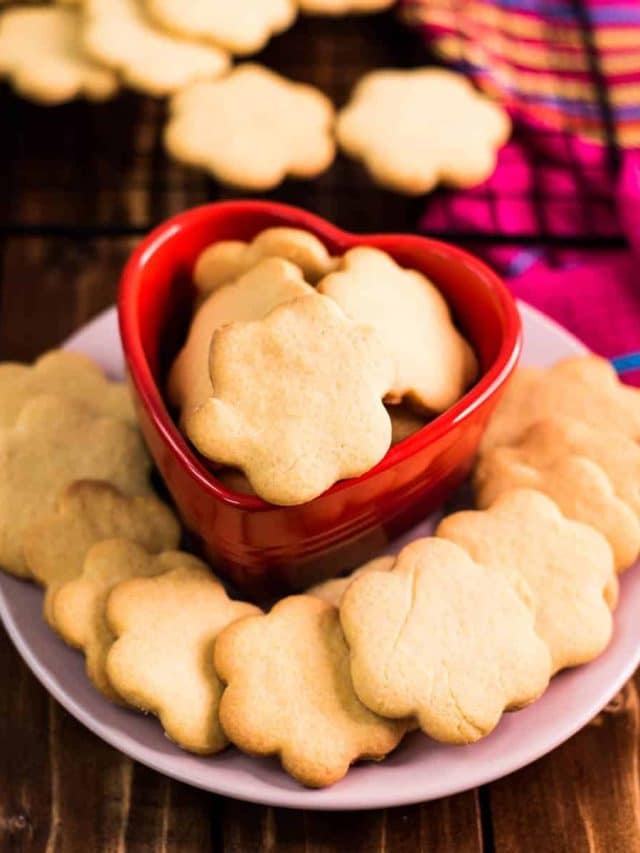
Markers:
(569, 73)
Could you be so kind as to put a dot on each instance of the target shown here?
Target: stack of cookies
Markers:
(444, 637)
(293, 354)
(249, 126)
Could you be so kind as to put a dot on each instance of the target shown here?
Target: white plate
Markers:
(420, 769)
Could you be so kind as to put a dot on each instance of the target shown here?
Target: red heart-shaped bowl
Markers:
(267, 549)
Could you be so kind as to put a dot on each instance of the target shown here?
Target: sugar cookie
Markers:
(579, 487)
(78, 607)
(567, 565)
(416, 128)
(442, 639)
(118, 34)
(289, 693)
(270, 283)
(584, 387)
(87, 512)
(252, 129)
(297, 400)
(244, 26)
(68, 374)
(434, 364)
(229, 259)
(162, 660)
(42, 57)
(332, 590)
(55, 441)
(343, 7)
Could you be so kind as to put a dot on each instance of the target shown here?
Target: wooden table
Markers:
(79, 185)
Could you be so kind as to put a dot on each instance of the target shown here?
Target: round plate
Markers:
(420, 769)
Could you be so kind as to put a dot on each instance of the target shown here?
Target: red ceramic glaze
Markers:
(267, 549)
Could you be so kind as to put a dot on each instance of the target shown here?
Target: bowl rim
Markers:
(152, 398)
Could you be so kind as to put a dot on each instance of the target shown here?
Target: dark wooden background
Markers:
(78, 185)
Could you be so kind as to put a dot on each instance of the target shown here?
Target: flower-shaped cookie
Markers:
(87, 512)
(442, 639)
(270, 283)
(343, 7)
(289, 693)
(55, 441)
(579, 487)
(69, 374)
(414, 129)
(242, 26)
(434, 363)
(297, 400)
(41, 55)
(585, 387)
(252, 129)
(162, 660)
(333, 590)
(78, 607)
(229, 259)
(118, 34)
(568, 567)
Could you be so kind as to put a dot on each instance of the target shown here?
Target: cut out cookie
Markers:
(567, 565)
(586, 388)
(162, 660)
(252, 129)
(270, 283)
(444, 640)
(289, 693)
(68, 374)
(579, 487)
(118, 34)
(54, 442)
(434, 364)
(225, 261)
(297, 402)
(78, 608)
(343, 7)
(87, 512)
(443, 129)
(332, 590)
(244, 26)
(42, 57)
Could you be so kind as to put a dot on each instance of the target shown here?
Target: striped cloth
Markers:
(569, 73)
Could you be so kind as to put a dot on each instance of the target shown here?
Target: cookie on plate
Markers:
(87, 512)
(162, 661)
(78, 606)
(567, 566)
(252, 129)
(443, 130)
(54, 442)
(333, 590)
(579, 487)
(244, 26)
(119, 35)
(434, 363)
(68, 374)
(270, 283)
(41, 55)
(227, 260)
(584, 387)
(288, 693)
(297, 400)
(442, 639)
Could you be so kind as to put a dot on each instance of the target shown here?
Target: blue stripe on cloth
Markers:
(559, 10)
(627, 363)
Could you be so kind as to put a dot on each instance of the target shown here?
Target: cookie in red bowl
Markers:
(261, 547)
